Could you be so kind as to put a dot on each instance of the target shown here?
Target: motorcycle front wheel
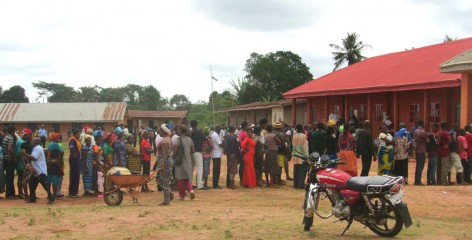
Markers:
(307, 223)
(323, 204)
(388, 221)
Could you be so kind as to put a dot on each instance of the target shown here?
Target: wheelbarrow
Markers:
(113, 196)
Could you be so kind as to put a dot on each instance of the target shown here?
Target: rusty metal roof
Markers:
(62, 112)
(156, 114)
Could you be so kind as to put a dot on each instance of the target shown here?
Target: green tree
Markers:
(88, 94)
(275, 73)
(149, 98)
(180, 102)
(202, 112)
(111, 95)
(350, 51)
(448, 39)
(245, 92)
(56, 92)
(15, 94)
(132, 93)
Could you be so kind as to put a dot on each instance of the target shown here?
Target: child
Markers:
(100, 181)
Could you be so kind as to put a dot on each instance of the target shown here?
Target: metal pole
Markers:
(212, 98)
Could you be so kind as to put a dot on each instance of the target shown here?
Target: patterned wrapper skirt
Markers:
(385, 158)
(270, 162)
(164, 177)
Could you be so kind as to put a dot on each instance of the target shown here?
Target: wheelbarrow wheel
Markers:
(114, 198)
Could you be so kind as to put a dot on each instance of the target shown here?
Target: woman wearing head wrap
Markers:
(88, 157)
(55, 164)
(119, 145)
(164, 165)
(133, 156)
(74, 163)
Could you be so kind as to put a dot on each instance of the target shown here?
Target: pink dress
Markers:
(462, 147)
(100, 181)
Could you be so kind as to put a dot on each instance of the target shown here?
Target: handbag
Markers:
(179, 158)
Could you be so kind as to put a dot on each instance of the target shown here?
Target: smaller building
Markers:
(136, 118)
(272, 111)
(62, 117)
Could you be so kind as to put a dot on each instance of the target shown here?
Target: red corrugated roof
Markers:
(156, 114)
(407, 70)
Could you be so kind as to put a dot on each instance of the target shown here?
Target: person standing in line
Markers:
(146, 150)
(232, 155)
(432, 148)
(197, 159)
(347, 146)
(165, 165)
(401, 155)
(87, 157)
(300, 148)
(183, 171)
(74, 164)
(249, 148)
(133, 156)
(421, 140)
(43, 135)
(206, 155)
(443, 153)
(9, 160)
(468, 137)
(317, 139)
(119, 146)
(241, 137)
(21, 162)
(270, 161)
(216, 154)
(259, 154)
(55, 164)
(38, 162)
(463, 147)
(454, 158)
(365, 147)
(385, 152)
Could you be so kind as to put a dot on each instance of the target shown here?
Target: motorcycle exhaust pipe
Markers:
(367, 202)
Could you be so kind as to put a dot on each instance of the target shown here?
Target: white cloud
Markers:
(171, 44)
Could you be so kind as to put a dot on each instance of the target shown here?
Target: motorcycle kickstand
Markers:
(348, 225)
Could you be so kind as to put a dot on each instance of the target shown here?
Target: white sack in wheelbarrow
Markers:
(119, 171)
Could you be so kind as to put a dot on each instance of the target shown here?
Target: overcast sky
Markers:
(171, 44)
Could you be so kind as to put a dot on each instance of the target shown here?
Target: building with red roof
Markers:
(407, 86)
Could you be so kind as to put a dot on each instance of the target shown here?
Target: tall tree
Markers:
(15, 94)
(245, 92)
(132, 93)
(276, 73)
(350, 51)
(180, 102)
(448, 39)
(88, 94)
(56, 92)
(149, 98)
(111, 95)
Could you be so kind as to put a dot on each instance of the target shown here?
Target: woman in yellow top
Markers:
(133, 156)
(299, 148)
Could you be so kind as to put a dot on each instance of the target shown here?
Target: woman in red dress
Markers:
(249, 147)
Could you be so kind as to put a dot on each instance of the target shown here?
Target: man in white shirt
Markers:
(40, 172)
(216, 154)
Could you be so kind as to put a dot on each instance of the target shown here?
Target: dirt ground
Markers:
(438, 212)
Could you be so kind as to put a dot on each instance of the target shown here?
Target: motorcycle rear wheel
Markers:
(323, 205)
(387, 210)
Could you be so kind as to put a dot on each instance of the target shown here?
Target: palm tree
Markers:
(350, 51)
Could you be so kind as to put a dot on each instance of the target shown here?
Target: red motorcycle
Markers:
(375, 201)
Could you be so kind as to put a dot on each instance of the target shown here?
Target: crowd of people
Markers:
(257, 155)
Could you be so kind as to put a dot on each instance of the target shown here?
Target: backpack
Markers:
(207, 145)
(179, 158)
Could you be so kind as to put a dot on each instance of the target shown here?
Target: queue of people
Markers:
(256, 154)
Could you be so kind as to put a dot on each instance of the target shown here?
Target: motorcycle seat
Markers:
(360, 184)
